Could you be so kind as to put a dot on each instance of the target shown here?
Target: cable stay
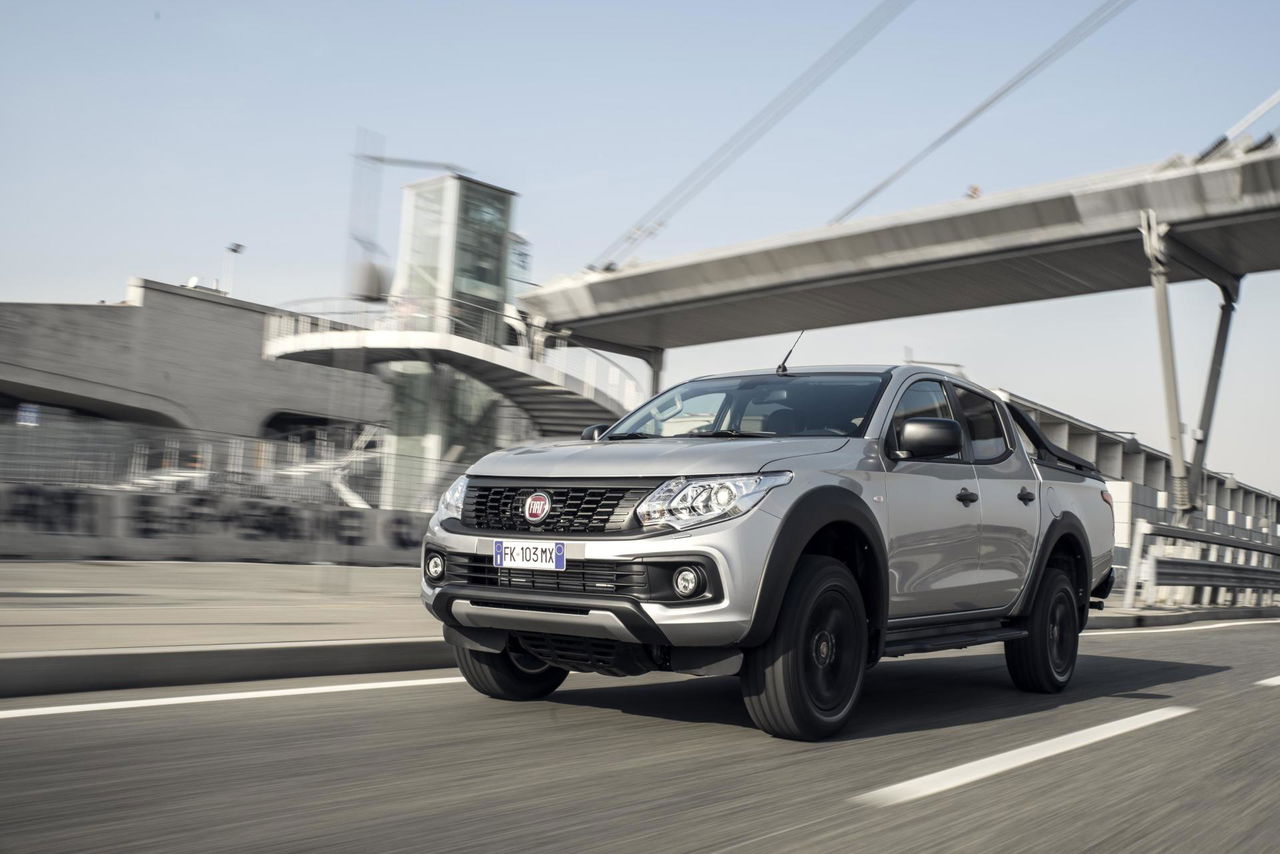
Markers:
(1077, 34)
(654, 219)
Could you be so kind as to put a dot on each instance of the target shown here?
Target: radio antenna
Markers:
(782, 367)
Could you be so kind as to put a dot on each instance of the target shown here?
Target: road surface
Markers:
(1168, 740)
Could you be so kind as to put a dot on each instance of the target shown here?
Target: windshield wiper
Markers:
(730, 434)
(616, 436)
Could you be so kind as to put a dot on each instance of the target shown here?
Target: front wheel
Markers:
(1044, 661)
(512, 674)
(804, 682)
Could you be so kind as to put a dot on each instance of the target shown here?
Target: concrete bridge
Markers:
(556, 401)
(1056, 240)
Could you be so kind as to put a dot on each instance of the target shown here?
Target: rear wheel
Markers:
(512, 674)
(804, 682)
(1044, 661)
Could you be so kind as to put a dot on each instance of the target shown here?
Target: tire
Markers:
(1044, 661)
(804, 681)
(512, 674)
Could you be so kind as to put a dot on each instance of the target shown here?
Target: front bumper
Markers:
(737, 549)
(615, 617)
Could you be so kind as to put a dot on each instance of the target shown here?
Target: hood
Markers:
(651, 457)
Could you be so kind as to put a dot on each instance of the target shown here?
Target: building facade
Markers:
(172, 356)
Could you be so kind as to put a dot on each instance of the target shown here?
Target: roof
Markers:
(805, 369)
(1054, 240)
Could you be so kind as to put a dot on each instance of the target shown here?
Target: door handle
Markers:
(1026, 496)
(965, 497)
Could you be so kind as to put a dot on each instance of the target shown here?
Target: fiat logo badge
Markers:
(536, 507)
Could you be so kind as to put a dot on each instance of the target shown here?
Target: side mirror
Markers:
(925, 438)
(594, 432)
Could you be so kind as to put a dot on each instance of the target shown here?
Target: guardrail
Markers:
(1164, 570)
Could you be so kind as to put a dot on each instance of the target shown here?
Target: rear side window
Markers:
(986, 432)
(1027, 444)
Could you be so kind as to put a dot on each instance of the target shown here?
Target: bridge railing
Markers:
(506, 327)
(1173, 556)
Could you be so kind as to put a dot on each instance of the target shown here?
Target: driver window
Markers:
(923, 399)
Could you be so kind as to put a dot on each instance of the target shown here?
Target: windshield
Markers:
(729, 407)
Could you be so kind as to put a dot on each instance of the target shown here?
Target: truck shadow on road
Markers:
(908, 695)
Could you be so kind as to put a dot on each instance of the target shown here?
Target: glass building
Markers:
(451, 277)
(467, 371)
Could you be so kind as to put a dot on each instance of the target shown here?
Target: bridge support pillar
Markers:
(1163, 249)
(656, 358)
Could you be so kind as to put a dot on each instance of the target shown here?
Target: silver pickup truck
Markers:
(790, 527)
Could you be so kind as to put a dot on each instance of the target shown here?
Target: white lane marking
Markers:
(970, 772)
(217, 698)
(1273, 682)
(1198, 627)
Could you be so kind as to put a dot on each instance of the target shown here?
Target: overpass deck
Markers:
(1056, 240)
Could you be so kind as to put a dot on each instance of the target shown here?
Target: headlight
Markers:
(450, 506)
(688, 502)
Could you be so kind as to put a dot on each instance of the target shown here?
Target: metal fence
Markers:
(1171, 556)
(338, 464)
(343, 465)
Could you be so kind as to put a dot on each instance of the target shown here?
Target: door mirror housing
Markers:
(929, 438)
(595, 431)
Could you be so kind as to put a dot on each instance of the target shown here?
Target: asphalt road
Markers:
(669, 763)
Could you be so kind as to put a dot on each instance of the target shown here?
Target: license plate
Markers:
(528, 554)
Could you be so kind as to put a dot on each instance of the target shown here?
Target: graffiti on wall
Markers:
(53, 510)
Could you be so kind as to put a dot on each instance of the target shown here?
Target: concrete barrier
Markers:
(70, 523)
(67, 671)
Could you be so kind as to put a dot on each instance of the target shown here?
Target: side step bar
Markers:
(955, 640)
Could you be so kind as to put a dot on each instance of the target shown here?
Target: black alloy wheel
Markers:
(1045, 660)
(804, 681)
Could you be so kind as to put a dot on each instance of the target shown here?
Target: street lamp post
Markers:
(229, 265)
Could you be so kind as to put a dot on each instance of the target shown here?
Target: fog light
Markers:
(688, 582)
(434, 567)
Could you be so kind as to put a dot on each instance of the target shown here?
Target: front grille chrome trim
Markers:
(579, 507)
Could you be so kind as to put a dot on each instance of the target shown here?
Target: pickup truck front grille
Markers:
(575, 509)
(578, 576)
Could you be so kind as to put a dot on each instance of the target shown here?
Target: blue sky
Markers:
(141, 138)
